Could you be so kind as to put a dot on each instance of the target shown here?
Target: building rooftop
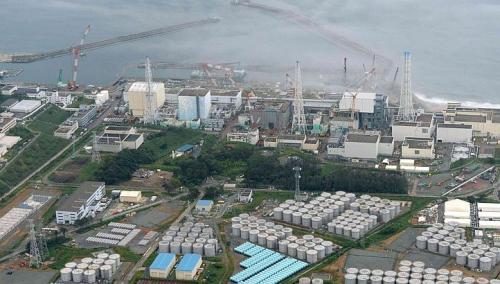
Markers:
(162, 261)
(386, 139)
(118, 128)
(143, 86)
(188, 262)
(80, 196)
(132, 137)
(298, 137)
(184, 148)
(233, 93)
(362, 138)
(467, 118)
(425, 117)
(204, 202)
(465, 126)
(26, 105)
(8, 102)
(197, 92)
(418, 143)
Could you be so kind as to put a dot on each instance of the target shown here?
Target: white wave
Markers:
(441, 101)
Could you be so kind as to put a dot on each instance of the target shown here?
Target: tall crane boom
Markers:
(76, 57)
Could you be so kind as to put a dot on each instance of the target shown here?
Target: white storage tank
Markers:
(388, 280)
(164, 246)
(87, 260)
(473, 261)
(301, 252)
(292, 249)
(103, 255)
(66, 274)
(278, 213)
(363, 279)
(421, 242)
(311, 256)
(262, 239)
(287, 231)
(283, 246)
(89, 276)
(106, 272)
(304, 280)
(97, 270)
(235, 230)
(328, 247)
(321, 251)
(485, 263)
(209, 250)
(297, 218)
(98, 261)
(492, 256)
(454, 248)
(355, 233)
(461, 257)
(375, 279)
(198, 248)
(82, 266)
(271, 242)
(77, 275)
(364, 271)
(71, 265)
(186, 248)
(350, 278)
(444, 248)
(306, 220)
(175, 247)
(432, 245)
(253, 236)
(245, 233)
(315, 222)
(287, 215)
(111, 263)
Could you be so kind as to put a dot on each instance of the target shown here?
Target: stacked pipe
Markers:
(352, 224)
(196, 238)
(325, 208)
(449, 240)
(88, 269)
(410, 272)
(280, 238)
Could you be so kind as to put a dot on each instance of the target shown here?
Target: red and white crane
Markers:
(76, 59)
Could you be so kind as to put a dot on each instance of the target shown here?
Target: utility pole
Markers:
(297, 170)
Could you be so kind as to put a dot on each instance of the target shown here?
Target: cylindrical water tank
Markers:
(301, 252)
(403, 268)
(385, 215)
(97, 270)
(390, 273)
(473, 261)
(77, 275)
(244, 233)
(328, 247)
(444, 248)
(496, 250)
(82, 266)
(287, 216)
(179, 239)
(421, 242)
(461, 258)
(164, 246)
(443, 271)
(350, 278)
(283, 246)
(482, 280)
(402, 274)
(292, 249)
(414, 281)
(311, 256)
(492, 256)
(175, 247)
(388, 280)
(315, 222)
(431, 277)
(363, 279)
(89, 276)
(485, 263)
(198, 248)
(186, 248)
(443, 278)
(401, 281)
(432, 245)
(87, 260)
(347, 231)
(468, 280)
(306, 220)
(253, 236)
(271, 242)
(430, 270)
(416, 269)
(262, 239)
(365, 271)
(111, 263)
(66, 274)
(209, 250)
(287, 231)
(71, 265)
(106, 272)
(321, 251)
(453, 249)
(98, 261)
(297, 218)
(304, 280)
(278, 213)
(453, 279)
(235, 230)
(103, 255)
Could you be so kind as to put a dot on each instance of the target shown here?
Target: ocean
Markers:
(454, 43)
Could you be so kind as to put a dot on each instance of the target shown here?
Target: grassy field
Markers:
(45, 146)
(62, 254)
(127, 255)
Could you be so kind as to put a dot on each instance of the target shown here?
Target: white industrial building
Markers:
(81, 203)
(136, 96)
(422, 127)
(227, 97)
(66, 129)
(162, 265)
(194, 104)
(130, 196)
(63, 99)
(115, 138)
(484, 121)
(417, 148)
(204, 205)
(26, 106)
(363, 146)
(457, 210)
(245, 196)
(188, 267)
(454, 133)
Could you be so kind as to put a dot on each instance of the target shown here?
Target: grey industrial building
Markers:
(272, 115)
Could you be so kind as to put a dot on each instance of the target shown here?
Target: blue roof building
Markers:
(204, 205)
(162, 265)
(184, 148)
(188, 266)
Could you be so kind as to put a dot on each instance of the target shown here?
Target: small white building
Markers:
(245, 196)
(82, 203)
(64, 99)
(386, 146)
(204, 205)
(417, 148)
(130, 196)
(26, 106)
(454, 133)
(66, 130)
(422, 127)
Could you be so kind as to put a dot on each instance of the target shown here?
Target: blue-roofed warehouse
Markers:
(185, 149)
(162, 265)
(204, 205)
(188, 266)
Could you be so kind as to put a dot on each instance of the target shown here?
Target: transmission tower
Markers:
(299, 118)
(149, 109)
(406, 111)
(35, 256)
(297, 170)
(96, 156)
(42, 246)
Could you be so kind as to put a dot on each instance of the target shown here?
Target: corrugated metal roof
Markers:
(184, 148)
(162, 261)
(188, 262)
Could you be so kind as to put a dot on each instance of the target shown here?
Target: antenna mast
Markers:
(299, 119)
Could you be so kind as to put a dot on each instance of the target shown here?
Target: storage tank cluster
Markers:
(352, 224)
(280, 238)
(89, 269)
(410, 272)
(327, 207)
(189, 237)
(449, 240)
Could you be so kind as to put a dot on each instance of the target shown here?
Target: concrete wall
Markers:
(358, 150)
(454, 135)
(400, 132)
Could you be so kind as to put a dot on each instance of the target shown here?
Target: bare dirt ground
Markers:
(69, 171)
(155, 181)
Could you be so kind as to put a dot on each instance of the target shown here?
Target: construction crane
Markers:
(32, 57)
(76, 59)
(363, 84)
